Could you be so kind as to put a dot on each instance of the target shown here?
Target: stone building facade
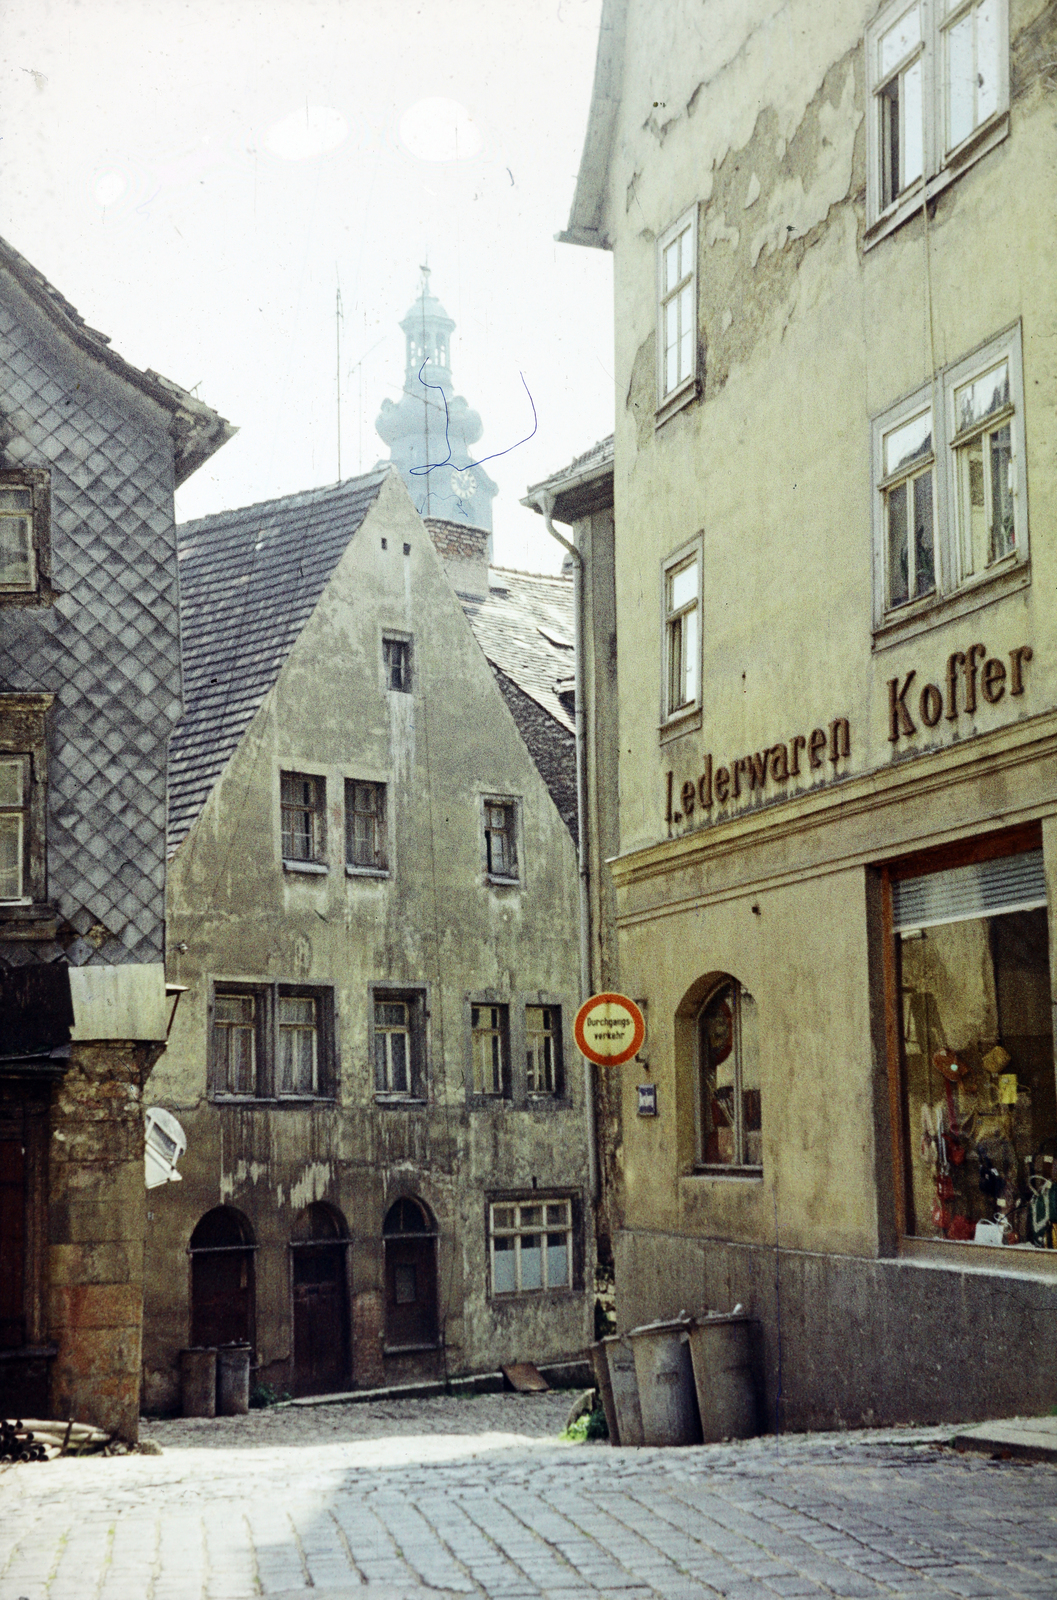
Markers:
(834, 577)
(90, 452)
(372, 906)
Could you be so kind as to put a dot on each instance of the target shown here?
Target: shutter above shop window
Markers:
(981, 889)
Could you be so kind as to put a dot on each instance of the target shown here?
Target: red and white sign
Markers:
(609, 1029)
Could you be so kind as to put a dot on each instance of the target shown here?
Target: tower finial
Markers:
(424, 269)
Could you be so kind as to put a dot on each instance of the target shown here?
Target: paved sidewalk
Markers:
(475, 1497)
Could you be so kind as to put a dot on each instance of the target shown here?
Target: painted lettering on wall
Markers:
(970, 674)
(815, 755)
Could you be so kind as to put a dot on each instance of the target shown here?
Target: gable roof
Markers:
(195, 429)
(249, 581)
(587, 215)
(525, 627)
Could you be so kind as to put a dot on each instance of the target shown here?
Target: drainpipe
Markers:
(545, 502)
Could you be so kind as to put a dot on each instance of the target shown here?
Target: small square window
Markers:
(543, 1044)
(500, 839)
(365, 826)
(531, 1246)
(303, 800)
(490, 1050)
(396, 655)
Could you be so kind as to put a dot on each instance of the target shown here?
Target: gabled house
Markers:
(373, 912)
(835, 578)
(91, 449)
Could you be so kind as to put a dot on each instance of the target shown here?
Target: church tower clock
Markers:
(430, 430)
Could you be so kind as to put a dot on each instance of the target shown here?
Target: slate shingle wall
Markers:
(108, 648)
(551, 747)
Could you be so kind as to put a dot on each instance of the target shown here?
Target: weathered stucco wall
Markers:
(236, 914)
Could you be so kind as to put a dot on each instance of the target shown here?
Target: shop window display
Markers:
(978, 1058)
(731, 1126)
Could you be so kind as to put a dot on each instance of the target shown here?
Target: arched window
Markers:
(222, 1279)
(320, 1296)
(409, 1236)
(728, 1056)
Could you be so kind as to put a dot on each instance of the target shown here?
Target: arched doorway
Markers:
(410, 1243)
(321, 1320)
(222, 1279)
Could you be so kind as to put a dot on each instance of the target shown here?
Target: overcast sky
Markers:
(199, 176)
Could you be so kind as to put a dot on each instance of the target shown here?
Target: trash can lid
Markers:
(672, 1325)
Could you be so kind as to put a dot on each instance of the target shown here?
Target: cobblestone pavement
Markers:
(401, 1500)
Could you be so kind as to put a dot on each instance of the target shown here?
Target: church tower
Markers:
(430, 429)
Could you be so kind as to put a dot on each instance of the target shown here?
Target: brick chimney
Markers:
(465, 554)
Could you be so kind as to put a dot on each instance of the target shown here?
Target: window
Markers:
(500, 840)
(490, 1049)
(531, 1245)
(975, 1067)
(392, 1046)
(303, 803)
(682, 633)
(398, 1042)
(23, 813)
(939, 89)
(235, 1024)
(543, 1044)
(731, 1133)
(24, 541)
(396, 655)
(677, 315)
(272, 1041)
(365, 827)
(950, 512)
(298, 1044)
(14, 832)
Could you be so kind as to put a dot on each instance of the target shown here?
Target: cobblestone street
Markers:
(400, 1500)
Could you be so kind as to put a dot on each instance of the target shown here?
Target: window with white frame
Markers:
(682, 632)
(271, 1041)
(950, 509)
(543, 1044)
(490, 1049)
(938, 74)
(677, 312)
(500, 839)
(531, 1245)
(14, 827)
(365, 826)
(303, 805)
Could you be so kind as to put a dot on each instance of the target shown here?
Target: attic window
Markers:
(396, 655)
(24, 543)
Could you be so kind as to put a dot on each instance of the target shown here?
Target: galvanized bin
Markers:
(614, 1363)
(665, 1375)
(721, 1352)
(233, 1380)
(198, 1382)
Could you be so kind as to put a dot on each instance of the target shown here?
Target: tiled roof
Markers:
(249, 581)
(196, 430)
(526, 628)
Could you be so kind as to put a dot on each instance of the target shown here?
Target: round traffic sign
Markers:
(609, 1029)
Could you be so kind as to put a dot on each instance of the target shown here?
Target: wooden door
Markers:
(320, 1319)
(410, 1292)
(12, 1243)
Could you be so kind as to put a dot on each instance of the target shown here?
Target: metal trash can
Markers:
(619, 1361)
(720, 1349)
(665, 1374)
(198, 1382)
(233, 1380)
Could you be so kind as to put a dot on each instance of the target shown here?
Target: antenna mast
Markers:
(337, 340)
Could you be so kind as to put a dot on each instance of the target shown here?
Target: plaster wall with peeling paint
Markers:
(812, 322)
(434, 922)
